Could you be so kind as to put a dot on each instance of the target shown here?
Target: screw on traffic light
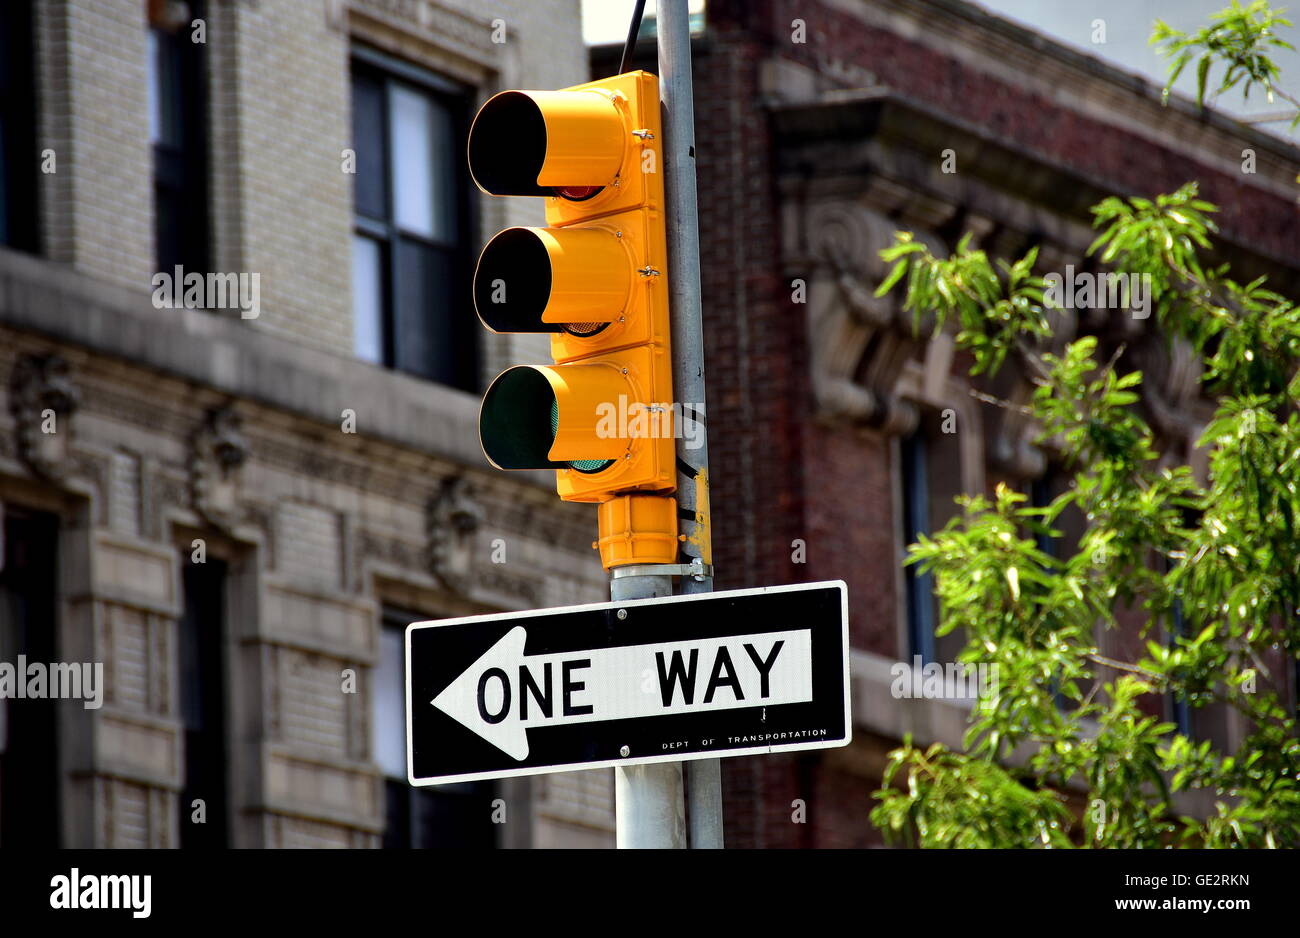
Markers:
(594, 279)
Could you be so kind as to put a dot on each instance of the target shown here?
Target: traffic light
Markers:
(595, 280)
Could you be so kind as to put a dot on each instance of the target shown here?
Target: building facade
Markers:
(233, 492)
(233, 499)
(838, 434)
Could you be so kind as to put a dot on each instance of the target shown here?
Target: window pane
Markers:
(19, 179)
(155, 107)
(397, 815)
(455, 816)
(412, 160)
(4, 181)
(165, 92)
(389, 710)
(368, 142)
(201, 653)
(916, 506)
(178, 132)
(367, 299)
(29, 727)
(429, 338)
(169, 213)
(423, 165)
(446, 221)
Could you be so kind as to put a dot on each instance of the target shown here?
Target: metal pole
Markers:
(649, 807)
(673, 31)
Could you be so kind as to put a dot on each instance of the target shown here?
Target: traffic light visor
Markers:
(551, 418)
(575, 280)
(537, 142)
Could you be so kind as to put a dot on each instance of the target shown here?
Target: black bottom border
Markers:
(582, 889)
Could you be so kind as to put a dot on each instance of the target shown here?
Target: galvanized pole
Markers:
(649, 808)
(673, 30)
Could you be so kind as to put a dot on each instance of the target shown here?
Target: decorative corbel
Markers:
(218, 450)
(859, 345)
(1172, 382)
(454, 518)
(43, 400)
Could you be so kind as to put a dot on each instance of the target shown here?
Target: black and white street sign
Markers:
(621, 683)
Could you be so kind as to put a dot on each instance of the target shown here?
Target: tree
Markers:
(1239, 38)
(1220, 556)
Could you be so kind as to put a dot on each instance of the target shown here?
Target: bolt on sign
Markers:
(704, 676)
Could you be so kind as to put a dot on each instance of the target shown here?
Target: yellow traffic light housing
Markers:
(584, 147)
(595, 421)
(594, 286)
(594, 279)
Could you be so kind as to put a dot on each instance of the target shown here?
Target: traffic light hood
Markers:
(575, 280)
(535, 142)
(537, 417)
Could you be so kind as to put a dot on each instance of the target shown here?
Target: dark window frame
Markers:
(921, 618)
(419, 810)
(31, 766)
(182, 217)
(461, 367)
(1041, 495)
(205, 707)
(928, 485)
(19, 158)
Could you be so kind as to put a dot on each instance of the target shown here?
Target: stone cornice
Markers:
(818, 140)
(459, 41)
(1075, 79)
(237, 358)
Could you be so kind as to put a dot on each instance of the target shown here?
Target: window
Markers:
(1213, 721)
(1180, 712)
(1055, 481)
(931, 466)
(18, 156)
(410, 243)
(203, 704)
(29, 768)
(178, 131)
(457, 815)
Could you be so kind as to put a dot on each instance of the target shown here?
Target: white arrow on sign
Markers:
(505, 693)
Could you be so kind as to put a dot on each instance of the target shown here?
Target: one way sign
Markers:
(621, 683)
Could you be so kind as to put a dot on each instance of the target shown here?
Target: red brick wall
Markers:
(755, 354)
(850, 529)
(756, 363)
(1128, 164)
(776, 476)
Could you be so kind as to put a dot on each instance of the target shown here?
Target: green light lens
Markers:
(580, 465)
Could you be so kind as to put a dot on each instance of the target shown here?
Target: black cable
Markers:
(631, 36)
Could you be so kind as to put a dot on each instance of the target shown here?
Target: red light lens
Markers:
(577, 193)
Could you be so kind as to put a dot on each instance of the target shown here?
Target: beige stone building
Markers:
(233, 500)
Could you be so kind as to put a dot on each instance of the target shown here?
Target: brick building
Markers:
(822, 127)
(320, 456)
(233, 509)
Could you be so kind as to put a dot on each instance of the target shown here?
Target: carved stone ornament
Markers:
(454, 518)
(43, 399)
(218, 450)
(1171, 385)
(859, 342)
(1012, 433)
